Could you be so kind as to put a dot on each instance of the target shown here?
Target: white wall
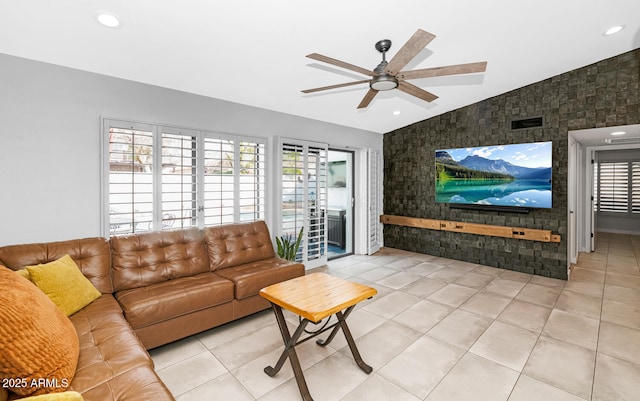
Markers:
(50, 149)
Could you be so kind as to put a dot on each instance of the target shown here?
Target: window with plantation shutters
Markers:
(618, 189)
(304, 198)
(159, 178)
(635, 187)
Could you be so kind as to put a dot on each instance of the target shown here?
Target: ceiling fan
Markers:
(389, 75)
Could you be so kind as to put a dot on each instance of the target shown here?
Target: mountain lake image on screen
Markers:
(517, 175)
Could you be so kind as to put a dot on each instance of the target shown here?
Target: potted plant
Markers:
(288, 245)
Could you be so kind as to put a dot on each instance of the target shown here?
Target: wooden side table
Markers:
(314, 297)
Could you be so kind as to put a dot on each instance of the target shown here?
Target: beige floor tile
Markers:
(615, 380)
(579, 304)
(622, 294)
(460, 328)
(379, 389)
(572, 328)
(505, 344)
(225, 387)
(616, 260)
(525, 315)
(475, 378)
(238, 328)
(350, 377)
(508, 288)
(547, 281)
(590, 288)
(486, 304)
(452, 295)
(516, 276)
(530, 389)
(409, 370)
(244, 349)
(403, 264)
(563, 365)
(581, 274)
(176, 352)
(627, 270)
(474, 280)
(383, 343)
(390, 305)
(447, 275)
(191, 373)
(622, 280)
(424, 268)
(377, 274)
(424, 287)
(593, 264)
(398, 280)
(622, 314)
(620, 342)
(539, 294)
(423, 315)
(488, 270)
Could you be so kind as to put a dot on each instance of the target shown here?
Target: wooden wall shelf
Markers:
(472, 228)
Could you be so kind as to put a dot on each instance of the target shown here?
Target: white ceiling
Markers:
(253, 51)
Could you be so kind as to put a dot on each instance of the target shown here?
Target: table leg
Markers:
(290, 352)
(342, 324)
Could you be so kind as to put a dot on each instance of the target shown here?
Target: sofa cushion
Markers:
(37, 341)
(237, 244)
(64, 284)
(108, 347)
(250, 278)
(163, 301)
(149, 258)
(90, 254)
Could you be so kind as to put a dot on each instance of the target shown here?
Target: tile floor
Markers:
(441, 329)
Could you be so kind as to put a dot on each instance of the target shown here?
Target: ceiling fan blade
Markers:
(414, 45)
(417, 92)
(441, 71)
(367, 98)
(338, 63)
(324, 88)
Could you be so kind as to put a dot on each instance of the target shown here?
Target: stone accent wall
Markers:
(606, 93)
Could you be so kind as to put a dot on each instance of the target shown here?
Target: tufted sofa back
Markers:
(90, 254)
(148, 258)
(237, 244)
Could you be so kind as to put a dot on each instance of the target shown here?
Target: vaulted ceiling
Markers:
(253, 52)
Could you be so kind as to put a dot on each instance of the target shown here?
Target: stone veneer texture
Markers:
(606, 93)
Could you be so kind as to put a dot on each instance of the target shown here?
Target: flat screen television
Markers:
(504, 176)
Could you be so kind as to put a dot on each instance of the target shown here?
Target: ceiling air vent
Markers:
(527, 123)
(622, 141)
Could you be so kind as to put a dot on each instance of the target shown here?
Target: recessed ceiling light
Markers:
(397, 113)
(108, 20)
(613, 30)
(618, 133)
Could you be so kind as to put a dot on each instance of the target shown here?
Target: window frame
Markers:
(632, 191)
(198, 175)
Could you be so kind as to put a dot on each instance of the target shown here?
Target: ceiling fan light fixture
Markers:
(383, 83)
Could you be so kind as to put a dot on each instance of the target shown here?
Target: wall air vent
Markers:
(622, 141)
(527, 123)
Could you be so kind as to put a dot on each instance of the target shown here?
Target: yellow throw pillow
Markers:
(24, 273)
(66, 396)
(39, 346)
(64, 284)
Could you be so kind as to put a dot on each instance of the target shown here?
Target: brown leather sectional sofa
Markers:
(156, 288)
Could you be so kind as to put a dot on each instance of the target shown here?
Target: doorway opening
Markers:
(340, 203)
